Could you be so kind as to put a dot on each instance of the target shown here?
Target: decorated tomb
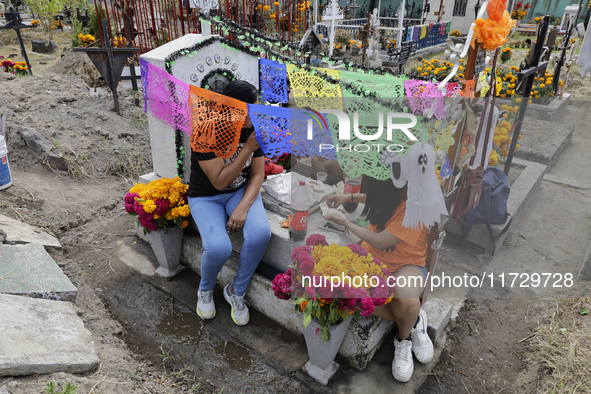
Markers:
(168, 73)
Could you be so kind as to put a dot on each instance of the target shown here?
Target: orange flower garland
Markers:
(493, 31)
(495, 9)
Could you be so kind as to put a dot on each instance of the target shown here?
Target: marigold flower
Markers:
(266, 8)
(493, 33)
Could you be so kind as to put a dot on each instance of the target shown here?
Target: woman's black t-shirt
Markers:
(199, 184)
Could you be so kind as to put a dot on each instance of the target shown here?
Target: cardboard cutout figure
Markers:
(425, 203)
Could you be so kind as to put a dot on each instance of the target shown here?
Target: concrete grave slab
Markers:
(42, 336)
(438, 315)
(29, 270)
(543, 141)
(18, 232)
(547, 112)
(362, 340)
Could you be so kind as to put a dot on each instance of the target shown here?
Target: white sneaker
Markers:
(205, 304)
(402, 365)
(422, 346)
(240, 313)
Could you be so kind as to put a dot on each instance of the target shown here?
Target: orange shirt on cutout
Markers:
(412, 248)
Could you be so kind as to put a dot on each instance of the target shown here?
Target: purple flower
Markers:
(367, 307)
(350, 302)
(299, 249)
(161, 207)
(358, 250)
(310, 292)
(130, 197)
(282, 285)
(306, 266)
(150, 224)
(316, 239)
(349, 292)
(317, 330)
(129, 202)
(379, 295)
(326, 294)
(138, 208)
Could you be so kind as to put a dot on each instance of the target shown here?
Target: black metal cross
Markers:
(525, 81)
(13, 21)
(110, 62)
(565, 45)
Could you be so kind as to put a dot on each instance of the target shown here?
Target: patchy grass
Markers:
(76, 163)
(129, 166)
(562, 347)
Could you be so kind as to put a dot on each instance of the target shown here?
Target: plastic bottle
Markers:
(300, 210)
(352, 185)
(5, 177)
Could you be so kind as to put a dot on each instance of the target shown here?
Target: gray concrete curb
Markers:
(522, 189)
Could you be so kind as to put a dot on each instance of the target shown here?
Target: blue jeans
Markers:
(211, 215)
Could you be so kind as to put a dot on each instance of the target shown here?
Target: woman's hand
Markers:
(339, 220)
(251, 143)
(336, 200)
(237, 219)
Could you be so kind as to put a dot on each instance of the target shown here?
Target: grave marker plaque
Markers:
(480, 64)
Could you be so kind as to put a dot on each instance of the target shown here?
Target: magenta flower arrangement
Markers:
(327, 283)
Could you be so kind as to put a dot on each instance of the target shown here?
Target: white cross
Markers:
(205, 6)
(374, 25)
(460, 51)
(354, 7)
(332, 13)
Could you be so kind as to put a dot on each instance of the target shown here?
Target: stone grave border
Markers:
(526, 184)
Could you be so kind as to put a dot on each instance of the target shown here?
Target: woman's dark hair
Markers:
(241, 90)
(382, 199)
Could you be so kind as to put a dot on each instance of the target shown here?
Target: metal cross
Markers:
(565, 45)
(109, 61)
(353, 6)
(525, 81)
(13, 21)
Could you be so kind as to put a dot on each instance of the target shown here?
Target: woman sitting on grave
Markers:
(224, 198)
(403, 251)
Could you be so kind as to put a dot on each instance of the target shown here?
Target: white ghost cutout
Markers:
(425, 203)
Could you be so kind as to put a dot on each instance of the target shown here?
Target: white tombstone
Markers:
(570, 58)
(584, 60)
(332, 13)
(374, 44)
(570, 12)
(198, 69)
(205, 6)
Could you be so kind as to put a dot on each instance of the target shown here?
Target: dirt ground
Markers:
(84, 209)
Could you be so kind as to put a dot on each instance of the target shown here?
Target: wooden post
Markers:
(364, 37)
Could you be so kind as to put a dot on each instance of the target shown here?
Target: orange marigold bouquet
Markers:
(493, 31)
(332, 282)
(159, 205)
